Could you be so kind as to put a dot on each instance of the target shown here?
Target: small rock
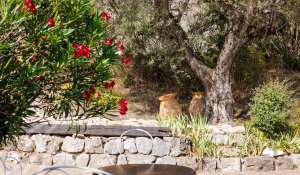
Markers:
(13, 156)
(143, 145)
(139, 159)
(230, 164)
(101, 160)
(166, 160)
(259, 164)
(64, 159)
(296, 160)
(129, 145)
(187, 161)
(41, 142)
(272, 152)
(285, 163)
(12, 160)
(209, 164)
(82, 160)
(234, 129)
(178, 146)
(160, 147)
(168, 139)
(3, 154)
(72, 145)
(54, 145)
(215, 130)
(94, 145)
(114, 147)
(220, 139)
(230, 151)
(25, 144)
(41, 159)
(122, 160)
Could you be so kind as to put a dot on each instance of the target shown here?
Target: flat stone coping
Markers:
(95, 121)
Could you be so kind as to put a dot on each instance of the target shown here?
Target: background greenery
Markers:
(159, 64)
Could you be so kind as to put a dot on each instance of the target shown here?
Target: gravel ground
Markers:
(257, 173)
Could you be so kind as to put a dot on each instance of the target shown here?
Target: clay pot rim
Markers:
(167, 97)
(199, 93)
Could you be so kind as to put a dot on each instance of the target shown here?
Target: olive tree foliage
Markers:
(209, 37)
(154, 51)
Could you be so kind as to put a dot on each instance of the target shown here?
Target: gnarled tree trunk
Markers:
(217, 81)
(219, 98)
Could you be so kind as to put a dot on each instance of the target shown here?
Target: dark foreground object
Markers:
(148, 169)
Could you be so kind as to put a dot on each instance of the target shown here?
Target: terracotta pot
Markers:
(197, 104)
(169, 106)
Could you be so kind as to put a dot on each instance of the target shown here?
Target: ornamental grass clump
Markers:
(53, 57)
(195, 128)
(270, 106)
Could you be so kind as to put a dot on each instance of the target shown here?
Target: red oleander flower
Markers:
(51, 21)
(126, 60)
(78, 51)
(108, 42)
(30, 6)
(106, 16)
(120, 46)
(123, 107)
(87, 52)
(81, 50)
(109, 84)
(87, 94)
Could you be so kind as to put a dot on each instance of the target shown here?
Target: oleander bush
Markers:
(55, 55)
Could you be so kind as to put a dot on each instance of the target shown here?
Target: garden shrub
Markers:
(55, 55)
(270, 108)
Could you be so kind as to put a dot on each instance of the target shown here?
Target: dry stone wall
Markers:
(97, 152)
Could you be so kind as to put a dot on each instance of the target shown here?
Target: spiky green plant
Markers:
(194, 128)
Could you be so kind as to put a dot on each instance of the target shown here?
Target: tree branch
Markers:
(233, 42)
(199, 68)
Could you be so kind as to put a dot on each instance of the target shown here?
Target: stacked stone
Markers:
(228, 138)
(97, 152)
